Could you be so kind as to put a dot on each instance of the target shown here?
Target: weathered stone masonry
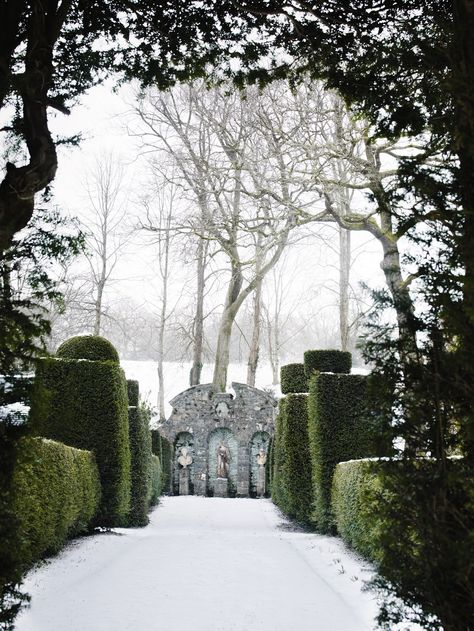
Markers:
(202, 419)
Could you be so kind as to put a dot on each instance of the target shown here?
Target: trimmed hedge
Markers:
(84, 404)
(155, 486)
(278, 456)
(92, 347)
(133, 391)
(56, 495)
(338, 431)
(161, 447)
(293, 379)
(293, 464)
(140, 460)
(327, 361)
(354, 483)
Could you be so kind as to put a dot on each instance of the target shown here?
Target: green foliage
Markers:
(162, 448)
(270, 466)
(133, 390)
(140, 465)
(431, 567)
(278, 456)
(11, 596)
(84, 404)
(354, 487)
(327, 361)
(293, 379)
(56, 494)
(292, 478)
(338, 431)
(92, 347)
(156, 481)
(27, 292)
(28, 286)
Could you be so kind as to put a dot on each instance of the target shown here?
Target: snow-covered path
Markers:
(202, 565)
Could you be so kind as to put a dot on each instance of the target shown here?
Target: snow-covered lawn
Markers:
(203, 564)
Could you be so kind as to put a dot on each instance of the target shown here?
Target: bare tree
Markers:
(212, 138)
(159, 224)
(105, 233)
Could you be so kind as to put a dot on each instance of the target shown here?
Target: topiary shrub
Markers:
(293, 379)
(92, 347)
(278, 456)
(338, 431)
(156, 481)
(140, 461)
(327, 361)
(56, 494)
(84, 404)
(294, 491)
(354, 485)
(133, 390)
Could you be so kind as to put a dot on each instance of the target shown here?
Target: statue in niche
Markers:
(261, 457)
(184, 459)
(222, 409)
(261, 461)
(223, 459)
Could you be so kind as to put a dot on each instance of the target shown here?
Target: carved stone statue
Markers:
(184, 459)
(261, 461)
(261, 457)
(223, 459)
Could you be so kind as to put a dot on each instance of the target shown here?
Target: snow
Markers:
(202, 564)
(14, 413)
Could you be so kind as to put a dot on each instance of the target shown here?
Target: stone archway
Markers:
(222, 486)
(183, 439)
(260, 441)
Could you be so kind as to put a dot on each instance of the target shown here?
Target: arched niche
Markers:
(183, 439)
(260, 440)
(222, 436)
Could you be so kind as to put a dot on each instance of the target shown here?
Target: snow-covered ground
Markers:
(203, 564)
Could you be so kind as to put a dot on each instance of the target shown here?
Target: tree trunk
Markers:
(161, 329)
(221, 365)
(463, 83)
(198, 329)
(255, 343)
(98, 308)
(20, 184)
(344, 271)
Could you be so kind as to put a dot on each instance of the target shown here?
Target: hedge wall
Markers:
(161, 447)
(92, 347)
(84, 404)
(155, 487)
(278, 457)
(140, 460)
(337, 432)
(356, 520)
(133, 391)
(293, 379)
(56, 495)
(327, 361)
(293, 465)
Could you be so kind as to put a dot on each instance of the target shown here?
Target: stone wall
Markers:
(199, 412)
